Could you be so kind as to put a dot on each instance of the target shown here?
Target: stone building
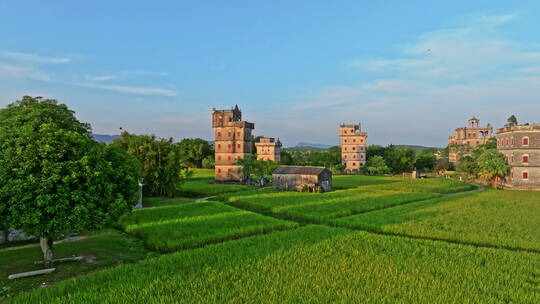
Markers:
(298, 178)
(353, 144)
(521, 146)
(268, 149)
(232, 142)
(472, 136)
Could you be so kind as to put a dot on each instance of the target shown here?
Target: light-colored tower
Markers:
(353, 147)
(472, 135)
(268, 149)
(232, 142)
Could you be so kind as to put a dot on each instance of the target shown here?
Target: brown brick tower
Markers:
(232, 142)
(353, 147)
(268, 149)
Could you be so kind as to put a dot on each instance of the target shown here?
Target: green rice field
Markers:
(313, 264)
(371, 240)
(491, 218)
(171, 228)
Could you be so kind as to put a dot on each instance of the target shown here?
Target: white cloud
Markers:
(35, 58)
(22, 72)
(99, 77)
(128, 89)
(435, 82)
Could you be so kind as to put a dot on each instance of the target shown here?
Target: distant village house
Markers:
(306, 179)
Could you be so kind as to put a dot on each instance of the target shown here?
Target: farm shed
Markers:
(299, 178)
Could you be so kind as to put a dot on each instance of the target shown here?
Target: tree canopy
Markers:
(161, 162)
(54, 177)
(193, 151)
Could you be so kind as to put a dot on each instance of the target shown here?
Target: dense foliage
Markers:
(196, 152)
(161, 165)
(391, 159)
(54, 177)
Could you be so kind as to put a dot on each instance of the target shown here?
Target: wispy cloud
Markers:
(442, 76)
(35, 58)
(100, 77)
(128, 89)
(24, 72)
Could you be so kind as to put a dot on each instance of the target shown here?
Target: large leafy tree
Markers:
(161, 165)
(425, 160)
(400, 159)
(376, 165)
(54, 177)
(193, 151)
(492, 166)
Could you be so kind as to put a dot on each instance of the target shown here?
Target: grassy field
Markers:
(375, 183)
(432, 245)
(201, 184)
(313, 264)
(108, 248)
(165, 201)
(359, 194)
(497, 218)
(171, 228)
(319, 207)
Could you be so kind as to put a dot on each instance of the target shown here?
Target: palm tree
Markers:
(492, 166)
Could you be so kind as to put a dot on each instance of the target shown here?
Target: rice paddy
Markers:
(490, 218)
(372, 240)
(171, 228)
(313, 264)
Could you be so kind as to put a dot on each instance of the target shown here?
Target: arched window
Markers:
(525, 175)
(230, 170)
(218, 134)
(238, 146)
(238, 134)
(229, 158)
(218, 170)
(229, 134)
(345, 156)
(525, 141)
(525, 158)
(354, 148)
(354, 164)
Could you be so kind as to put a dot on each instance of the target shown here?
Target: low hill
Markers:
(105, 138)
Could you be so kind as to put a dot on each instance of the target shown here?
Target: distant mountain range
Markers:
(104, 138)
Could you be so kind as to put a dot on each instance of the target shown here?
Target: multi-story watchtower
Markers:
(521, 146)
(268, 149)
(353, 146)
(232, 142)
(472, 136)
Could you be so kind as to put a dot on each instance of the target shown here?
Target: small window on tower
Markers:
(525, 175)
(525, 141)
(238, 146)
(229, 134)
(525, 158)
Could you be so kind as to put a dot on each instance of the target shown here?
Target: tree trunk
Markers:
(495, 182)
(6, 234)
(46, 244)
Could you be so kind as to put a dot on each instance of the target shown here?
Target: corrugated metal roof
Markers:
(303, 170)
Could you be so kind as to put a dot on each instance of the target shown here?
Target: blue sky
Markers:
(409, 71)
